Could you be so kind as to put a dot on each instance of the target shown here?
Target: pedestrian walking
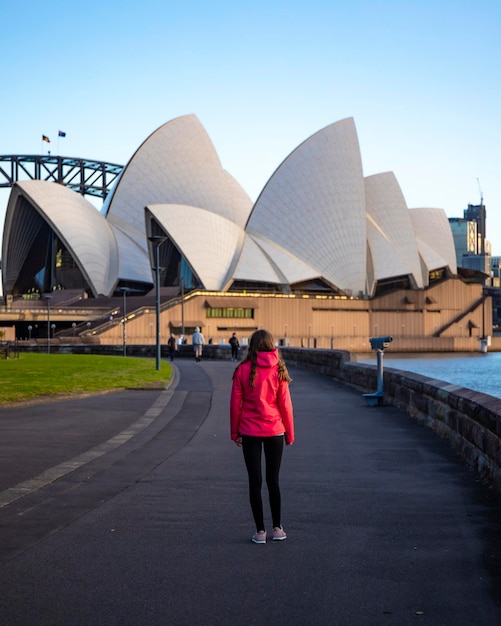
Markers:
(234, 343)
(198, 342)
(172, 346)
(261, 418)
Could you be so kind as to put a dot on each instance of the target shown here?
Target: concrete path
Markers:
(131, 508)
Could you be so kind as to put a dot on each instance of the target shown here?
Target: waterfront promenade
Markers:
(134, 511)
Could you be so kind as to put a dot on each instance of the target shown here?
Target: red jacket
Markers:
(264, 410)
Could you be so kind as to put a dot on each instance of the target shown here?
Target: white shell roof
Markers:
(317, 217)
(254, 265)
(389, 231)
(210, 243)
(289, 266)
(77, 223)
(134, 263)
(434, 238)
(314, 206)
(177, 164)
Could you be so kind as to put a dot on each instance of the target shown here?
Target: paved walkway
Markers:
(131, 509)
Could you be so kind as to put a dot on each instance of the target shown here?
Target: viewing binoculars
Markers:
(380, 343)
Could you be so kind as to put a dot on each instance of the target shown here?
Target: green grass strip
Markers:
(50, 375)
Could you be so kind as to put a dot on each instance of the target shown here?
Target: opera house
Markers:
(325, 257)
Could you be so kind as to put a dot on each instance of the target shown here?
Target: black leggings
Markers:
(273, 448)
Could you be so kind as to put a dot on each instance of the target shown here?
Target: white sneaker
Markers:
(259, 537)
(279, 534)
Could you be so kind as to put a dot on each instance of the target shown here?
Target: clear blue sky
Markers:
(421, 79)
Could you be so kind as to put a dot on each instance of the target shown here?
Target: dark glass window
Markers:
(230, 312)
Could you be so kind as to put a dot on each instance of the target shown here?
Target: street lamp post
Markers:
(156, 241)
(124, 291)
(48, 299)
(182, 307)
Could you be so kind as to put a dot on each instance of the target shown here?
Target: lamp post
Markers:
(124, 291)
(48, 299)
(483, 338)
(156, 241)
(182, 307)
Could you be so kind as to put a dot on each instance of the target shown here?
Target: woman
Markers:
(261, 418)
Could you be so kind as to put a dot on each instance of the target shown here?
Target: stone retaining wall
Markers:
(211, 352)
(469, 420)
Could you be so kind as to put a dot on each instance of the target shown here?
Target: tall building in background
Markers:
(496, 272)
(476, 213)
(464, 233)
(473, 250)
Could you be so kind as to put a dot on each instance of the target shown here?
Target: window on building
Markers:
(230, 312)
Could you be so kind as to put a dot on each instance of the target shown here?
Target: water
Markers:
(477, 371)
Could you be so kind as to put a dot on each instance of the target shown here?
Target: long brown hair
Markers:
(262, 341)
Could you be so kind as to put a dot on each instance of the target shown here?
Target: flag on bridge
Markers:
(61, 134)
(44, 138)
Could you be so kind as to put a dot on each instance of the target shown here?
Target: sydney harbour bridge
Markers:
(89, 178)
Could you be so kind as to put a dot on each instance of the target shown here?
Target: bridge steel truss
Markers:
(92, 178)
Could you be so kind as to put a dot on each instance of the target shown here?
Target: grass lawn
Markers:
(49, 375)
